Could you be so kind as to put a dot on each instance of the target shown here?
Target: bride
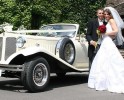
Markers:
(107, 70)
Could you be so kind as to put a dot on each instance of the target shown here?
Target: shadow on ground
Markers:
(15, 85)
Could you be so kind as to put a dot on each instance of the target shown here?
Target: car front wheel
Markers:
(36, 74)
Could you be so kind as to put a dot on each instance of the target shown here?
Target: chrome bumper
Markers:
(12, 67)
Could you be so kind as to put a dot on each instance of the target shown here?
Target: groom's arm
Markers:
(89, 31)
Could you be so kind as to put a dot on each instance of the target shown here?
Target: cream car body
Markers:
(19, 52)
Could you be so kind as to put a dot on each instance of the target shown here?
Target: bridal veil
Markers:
(119, 40)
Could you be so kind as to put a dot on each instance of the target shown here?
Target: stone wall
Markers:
(117, 4)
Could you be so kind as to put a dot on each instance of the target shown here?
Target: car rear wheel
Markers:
(36, 75)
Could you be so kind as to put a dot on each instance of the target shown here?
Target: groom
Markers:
(91, 34)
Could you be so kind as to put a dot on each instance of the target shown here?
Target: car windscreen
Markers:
(58, 33)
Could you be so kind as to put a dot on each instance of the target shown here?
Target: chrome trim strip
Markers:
(12, 67)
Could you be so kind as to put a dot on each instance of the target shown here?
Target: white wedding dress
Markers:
(107, 70)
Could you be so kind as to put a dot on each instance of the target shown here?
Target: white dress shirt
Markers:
(100, 22)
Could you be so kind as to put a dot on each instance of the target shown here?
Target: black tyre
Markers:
(67, 50)
(36, 75)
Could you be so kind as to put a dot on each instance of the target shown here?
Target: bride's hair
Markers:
(109, 12)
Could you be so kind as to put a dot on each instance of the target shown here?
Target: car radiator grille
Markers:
(10, 46)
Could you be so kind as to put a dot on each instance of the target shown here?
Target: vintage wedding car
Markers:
(31, 55)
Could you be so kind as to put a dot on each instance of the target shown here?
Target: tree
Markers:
(83, 10)
(34, 13)
(15, 13)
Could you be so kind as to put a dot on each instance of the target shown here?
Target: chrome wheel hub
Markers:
(40, 74)
(69, 52)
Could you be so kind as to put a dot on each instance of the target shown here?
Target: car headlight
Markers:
(20, 42)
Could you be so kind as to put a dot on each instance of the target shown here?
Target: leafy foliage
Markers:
(34, 13)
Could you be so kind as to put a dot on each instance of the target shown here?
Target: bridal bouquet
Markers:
(100, 30)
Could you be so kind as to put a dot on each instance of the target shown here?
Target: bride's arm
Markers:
(114, 28)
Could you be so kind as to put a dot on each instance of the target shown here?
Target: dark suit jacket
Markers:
(92, 35)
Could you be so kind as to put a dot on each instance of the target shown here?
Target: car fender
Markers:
(26, 52)
(35, 49)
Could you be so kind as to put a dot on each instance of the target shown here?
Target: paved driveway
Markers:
(71, 87)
